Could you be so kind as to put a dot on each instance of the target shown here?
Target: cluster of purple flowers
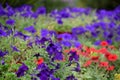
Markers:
(25, 11)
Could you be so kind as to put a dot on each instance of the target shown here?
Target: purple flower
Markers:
(26, 14)
(44, 32)
(30, 29)
(41, 10)
(30, 44)
(97, 42)
(59, 21)
(58, 56)
(2, 11)
(64, 14)
(65, 36)
(45, 73)
(52, 33)
(2, 54)
(66, 43)
(51, 48)
(77, 68)
(108, 34)
(14, 48)
(73, 56)
(41, 41)
(2, 33)
(2, 62)
(10, 11)
(10, 22)
(78, 30)
(41, 66)
(54, 52)
(53, 13)
(71, 77)
(76, 43)
(118, 32)
(103, 25)
(90, 28)
(21, 71)
(53, 77)
(117, 38)
(111, 25)
(109, 41)
(94, 34)
(21, 35)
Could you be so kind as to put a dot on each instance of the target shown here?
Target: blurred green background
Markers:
(53, 4)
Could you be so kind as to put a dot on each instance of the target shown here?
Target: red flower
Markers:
(95, 58)
(93, 49)
(112, 57)
(107, 54)
(73, 49)
(66, 51)
(104, 43)
(110, 68)
(112, 47)
(87, 63)
(103, 64)
(102, 50)
(40, 61)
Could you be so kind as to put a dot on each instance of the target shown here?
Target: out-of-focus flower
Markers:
(110, 68)
(73, 56)
(9, 11)
(112, 57)
(2, 33)
(103, 64)
(44, 33)
(2, 11)
(71, 77)
(76, 44)
(78, 30)
(21, 71)
(66, 43)
(2, 62)
(10, 22)
(104, 43)
(30, 29)
(41, 41)
(2, 54)
(112, 47)
(59, 21)
(40, 61)
(65, 36)
(64, 14)
(14, 48)
(41, 10)
(102, 50)
(53, 77)
(21, 35)
(87, 63)
(77, 68)
(45, 73)
(54, 51)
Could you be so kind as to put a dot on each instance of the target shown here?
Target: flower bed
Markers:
(69, 44)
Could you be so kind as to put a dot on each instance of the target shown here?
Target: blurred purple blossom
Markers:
(10, 22)
(21, 71)
(30, 29)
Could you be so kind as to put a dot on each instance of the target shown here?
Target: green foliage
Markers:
(106, 4)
